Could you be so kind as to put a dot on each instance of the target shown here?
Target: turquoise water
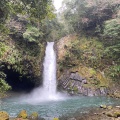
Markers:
(51, 109)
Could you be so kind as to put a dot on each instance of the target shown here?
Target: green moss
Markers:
(55, 118)
(85, 56)
(75, 89)
(22, 114)
(34, 116)
(92, 71)
(4, 115)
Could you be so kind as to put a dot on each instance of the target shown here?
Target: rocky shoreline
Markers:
(102, 113)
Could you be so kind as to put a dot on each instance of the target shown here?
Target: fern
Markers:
(32, 34)
(112, 29)
(115, 71)
(3, 85)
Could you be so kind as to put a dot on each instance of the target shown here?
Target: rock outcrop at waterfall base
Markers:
(75, 84)
(78, 72)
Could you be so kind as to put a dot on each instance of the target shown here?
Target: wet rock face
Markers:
(73, 83)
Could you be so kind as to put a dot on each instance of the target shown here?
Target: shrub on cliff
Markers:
(111, 32)
(32, 34)
(3, 85)
(88, 16)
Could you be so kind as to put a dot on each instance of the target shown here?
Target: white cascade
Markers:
(47, 92)
(49, 71)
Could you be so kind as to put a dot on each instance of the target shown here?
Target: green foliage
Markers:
(89, 51)
(32, 34)
(75, 89)
(4, 10)
(86, 15)
(52, 29)
(34, 11)
(23, 51)
(93, 18)
(3, 85)
(112, 31)
(4, 29)
(20, 57)
(115, 72)
(3, 49)
(113, 52)
(38, 8)
(111, 37)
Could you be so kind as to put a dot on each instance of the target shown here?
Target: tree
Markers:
(87, 15)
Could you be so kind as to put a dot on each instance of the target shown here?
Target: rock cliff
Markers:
(77, 70)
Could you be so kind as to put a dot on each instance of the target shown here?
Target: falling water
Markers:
(49, 72)
(47, 92)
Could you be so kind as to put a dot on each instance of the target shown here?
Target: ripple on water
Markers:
(54, 108)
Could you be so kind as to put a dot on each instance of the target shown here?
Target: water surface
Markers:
(50, 109)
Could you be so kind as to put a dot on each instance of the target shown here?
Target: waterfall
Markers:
(48, 90)
(49, 72)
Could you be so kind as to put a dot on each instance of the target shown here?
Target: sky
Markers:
(57, 4)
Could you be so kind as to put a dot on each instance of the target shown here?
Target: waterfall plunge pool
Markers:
(50, 109)
(46, 100)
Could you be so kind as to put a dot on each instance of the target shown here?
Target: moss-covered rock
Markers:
(113, 113)
(85, 56)
(103, 106)
(4, 115)
(109, 107)
(34, 116)
(109, 114)
(117, 114)
(23, 114)
(55, 118)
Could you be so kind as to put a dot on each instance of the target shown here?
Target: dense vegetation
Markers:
(23, 32)
(26, 25)
(96, 48)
